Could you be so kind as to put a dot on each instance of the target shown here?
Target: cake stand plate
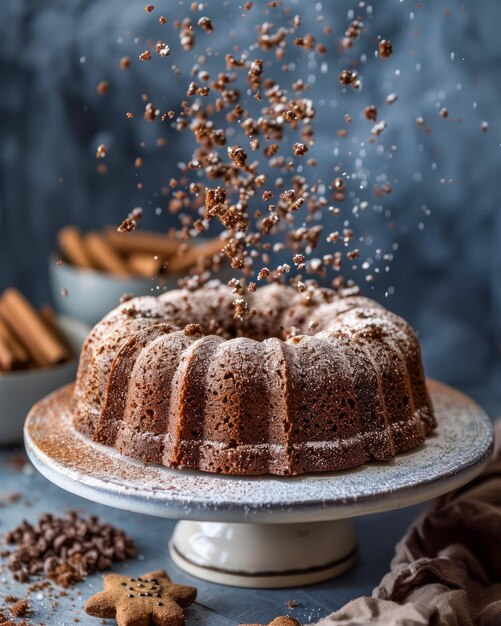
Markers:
(262, 531)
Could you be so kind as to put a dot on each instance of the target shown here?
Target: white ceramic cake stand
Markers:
(262, 531)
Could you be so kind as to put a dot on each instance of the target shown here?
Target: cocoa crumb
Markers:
(130, 223)
(347, 77)
(370, 112)
(150, 113)
(103, 87)
(162, 49)
(206, 24)
(299, 149)
(65, 549)
(101, 151)
(263, 273)
(20, 608)
(193, 329)
(338, 183)
(237, 155)
(385, 48)
(241, 308)
(125, 63)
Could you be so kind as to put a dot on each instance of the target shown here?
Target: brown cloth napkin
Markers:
(447, 568)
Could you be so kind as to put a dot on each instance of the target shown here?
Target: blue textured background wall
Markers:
(446, 276)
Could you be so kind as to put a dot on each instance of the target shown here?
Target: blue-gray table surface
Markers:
(216, 604)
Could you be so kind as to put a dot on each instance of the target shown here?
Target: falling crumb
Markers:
(150, 113)
(370, 112)
(149, 8)
(299, 149)
(378, 128)
(162, 49)
(339, 183)
(145, 56)
(241, 308)
(206, 24)
(125, 63)
(237, 155)
(347, 77)
(103, 87)
(385, 48)
(263, 273)
(193, 329)
(444, 113)
(484, 126)
(162, 19)
(130, 223)
(101, 151)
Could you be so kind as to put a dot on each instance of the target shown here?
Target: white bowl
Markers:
(19, 390)
(89, 295)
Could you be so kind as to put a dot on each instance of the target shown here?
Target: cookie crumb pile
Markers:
(66, 549)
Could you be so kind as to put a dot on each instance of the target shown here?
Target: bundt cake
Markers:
(301, 384)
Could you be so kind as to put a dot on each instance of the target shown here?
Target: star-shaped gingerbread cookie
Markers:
(149, 600)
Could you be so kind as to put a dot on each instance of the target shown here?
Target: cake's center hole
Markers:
(258, 328)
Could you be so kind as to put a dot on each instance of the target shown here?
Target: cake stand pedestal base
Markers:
(264, 555)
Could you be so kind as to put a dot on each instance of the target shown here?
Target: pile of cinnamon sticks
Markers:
(142, 253)
(28, 338)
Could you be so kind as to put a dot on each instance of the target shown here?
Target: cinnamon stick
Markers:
(12, 354)
(104, 255)
(41, 345)
(154, 243)
(145, 264)
(72, 246)
(49, 318)
(193, 255)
